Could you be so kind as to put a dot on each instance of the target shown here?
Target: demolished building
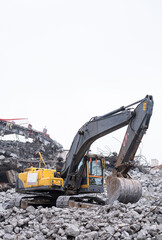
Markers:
(15, 156)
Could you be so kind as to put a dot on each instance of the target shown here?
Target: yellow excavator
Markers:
(82, 173)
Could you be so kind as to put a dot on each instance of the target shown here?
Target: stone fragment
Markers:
(8, 236)
(36, 226)
(2, 232)
(92, 227)
(72, 230)
(159, 219)
(153, 230)
(141, 234)
(30, 209)
(13, 222)
(8, 228)
(45, 230)
(61, 232)
(15, 209)
(109, 229)
(125, 235)
(29, 234)
(136, 227)
(92, 235)
(20, 222)
(158, 237)
(16, 229)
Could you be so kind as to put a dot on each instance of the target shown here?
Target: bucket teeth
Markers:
(122, 189)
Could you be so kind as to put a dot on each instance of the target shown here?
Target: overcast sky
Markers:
(63, 62)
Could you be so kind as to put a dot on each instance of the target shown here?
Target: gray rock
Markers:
(2, 232)
(153, 230)
(22, 237)
(29, 234)
(16, 229)
(72, 230)
(8, 228)
(136, 227)
(26, 220)
(92, 235)
(15, 209)
(31, 216)
(20, 222)
(125, 235)
(159, 237)
(101, 224)
(36, 226)
(13, 222)
(45, 230)
(109, 229)
(92, 227)
(159, 219)
(61, 232)
(142, 235)
(8, 236)
(30, 209)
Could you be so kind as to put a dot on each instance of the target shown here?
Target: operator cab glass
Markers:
(84, 172)
(95, 171)
(91, 172)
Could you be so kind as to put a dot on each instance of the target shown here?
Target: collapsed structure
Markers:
(17, 155)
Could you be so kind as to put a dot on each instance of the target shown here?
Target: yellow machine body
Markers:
(43, 179)
(35, 177)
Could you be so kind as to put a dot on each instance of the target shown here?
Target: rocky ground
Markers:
(142, 220)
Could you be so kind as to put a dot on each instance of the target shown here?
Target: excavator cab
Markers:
(91, 169)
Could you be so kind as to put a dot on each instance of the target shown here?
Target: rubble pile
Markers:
(18, 155)
(15, 156)
(142, 220)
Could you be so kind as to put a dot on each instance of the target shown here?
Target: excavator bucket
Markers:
(122, 189)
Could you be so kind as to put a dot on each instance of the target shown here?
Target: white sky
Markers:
(63, 62)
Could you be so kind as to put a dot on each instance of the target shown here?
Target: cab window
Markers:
(95, 167)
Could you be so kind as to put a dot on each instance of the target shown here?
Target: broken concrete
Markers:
(141, 220)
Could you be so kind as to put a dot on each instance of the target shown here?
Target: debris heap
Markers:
(15, 156)
(142, 220)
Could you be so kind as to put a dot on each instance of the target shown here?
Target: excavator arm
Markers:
(91, 131)
(137, 120)
(136, 129)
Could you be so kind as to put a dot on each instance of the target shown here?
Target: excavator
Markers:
(81, 177)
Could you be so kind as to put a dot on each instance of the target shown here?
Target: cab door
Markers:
(93, 176)
(96, 172)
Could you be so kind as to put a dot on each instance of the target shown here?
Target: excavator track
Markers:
(79, 201)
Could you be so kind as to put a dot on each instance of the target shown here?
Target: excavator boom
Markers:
(136, 129)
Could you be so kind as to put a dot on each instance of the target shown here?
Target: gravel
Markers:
(142, 220)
